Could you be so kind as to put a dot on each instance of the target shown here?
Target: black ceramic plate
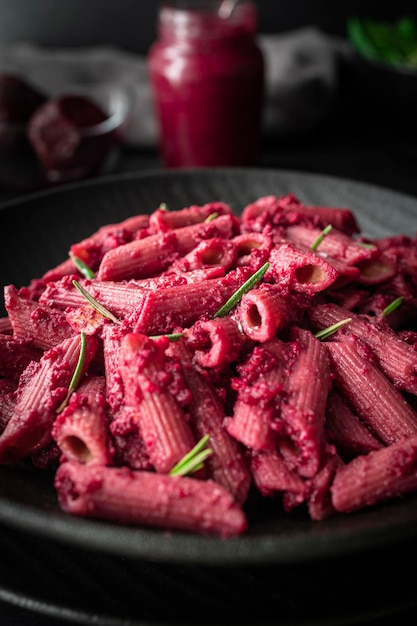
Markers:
(35, 235)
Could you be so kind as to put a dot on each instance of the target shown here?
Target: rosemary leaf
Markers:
(236, 297)
(194, 459)
(170, 336)
(391, 307)
(77, 373)
(326, 332)
(211, 217)
(320, 238)
(95, 304)
(82, 267)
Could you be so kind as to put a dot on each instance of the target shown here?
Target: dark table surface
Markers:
(367, 152)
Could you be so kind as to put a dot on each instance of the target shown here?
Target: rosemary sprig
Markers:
(326, 332)
(193, 460)
(95, 303)
(82, 267)
(393, 306)
(237, 296)
(320, 238)
(77, 373)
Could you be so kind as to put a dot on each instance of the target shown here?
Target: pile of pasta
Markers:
(270, 336)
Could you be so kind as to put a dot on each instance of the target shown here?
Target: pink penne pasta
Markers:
(343, 428)
(272, 475)
(81, 429)
(264, 311)
(227, 465)
(92, 249)
(129, 448)
(336, 244)
(33, 323)
(252, 248)
(377, 270)
(163, 311)
(304, 405)
(163, 220)
(42, 388)
(215, 342)
(373, 397)
(318, 494)
(5, 326)
(341, 218)
(152, 255)
(149, 499)
(161, 420)
(260, 386)
(299, 270)
(208, 253)
(376, 477)
(395, 357)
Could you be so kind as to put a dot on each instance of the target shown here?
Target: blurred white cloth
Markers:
(301, 78)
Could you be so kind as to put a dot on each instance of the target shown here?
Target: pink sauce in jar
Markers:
(207, 77)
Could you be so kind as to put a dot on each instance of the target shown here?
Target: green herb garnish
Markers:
(391, 307)
(237, 296)
(163, 207)
(82, 267)
(211, 217)
(95, 304)
(320, 238)
(77, 373)
(170, 336)
(326, 332)
(193, 460)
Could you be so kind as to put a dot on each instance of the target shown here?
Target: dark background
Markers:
(131, 23)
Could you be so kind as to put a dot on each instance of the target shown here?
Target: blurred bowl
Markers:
(57, 146)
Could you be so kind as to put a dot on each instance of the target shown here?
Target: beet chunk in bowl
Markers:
(73, 137)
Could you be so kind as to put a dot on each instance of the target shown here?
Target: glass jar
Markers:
(207, 78)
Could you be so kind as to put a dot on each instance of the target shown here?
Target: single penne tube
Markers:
(227, 464)
(161, 420)
(345, 430)
(375, 477)
(252, 426)
(35, 324)
(377, 270)
(215, 342)
(304, 405)
(163, 220)
(264, 311)
(335, 244)
(181, 306)
(92, 248)
(149, 499)
(81, 430)
(299, 270)
(149, 256)
(43, 386)
(341, 218)
(396, 358)
(371, 394)
(120, 298)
